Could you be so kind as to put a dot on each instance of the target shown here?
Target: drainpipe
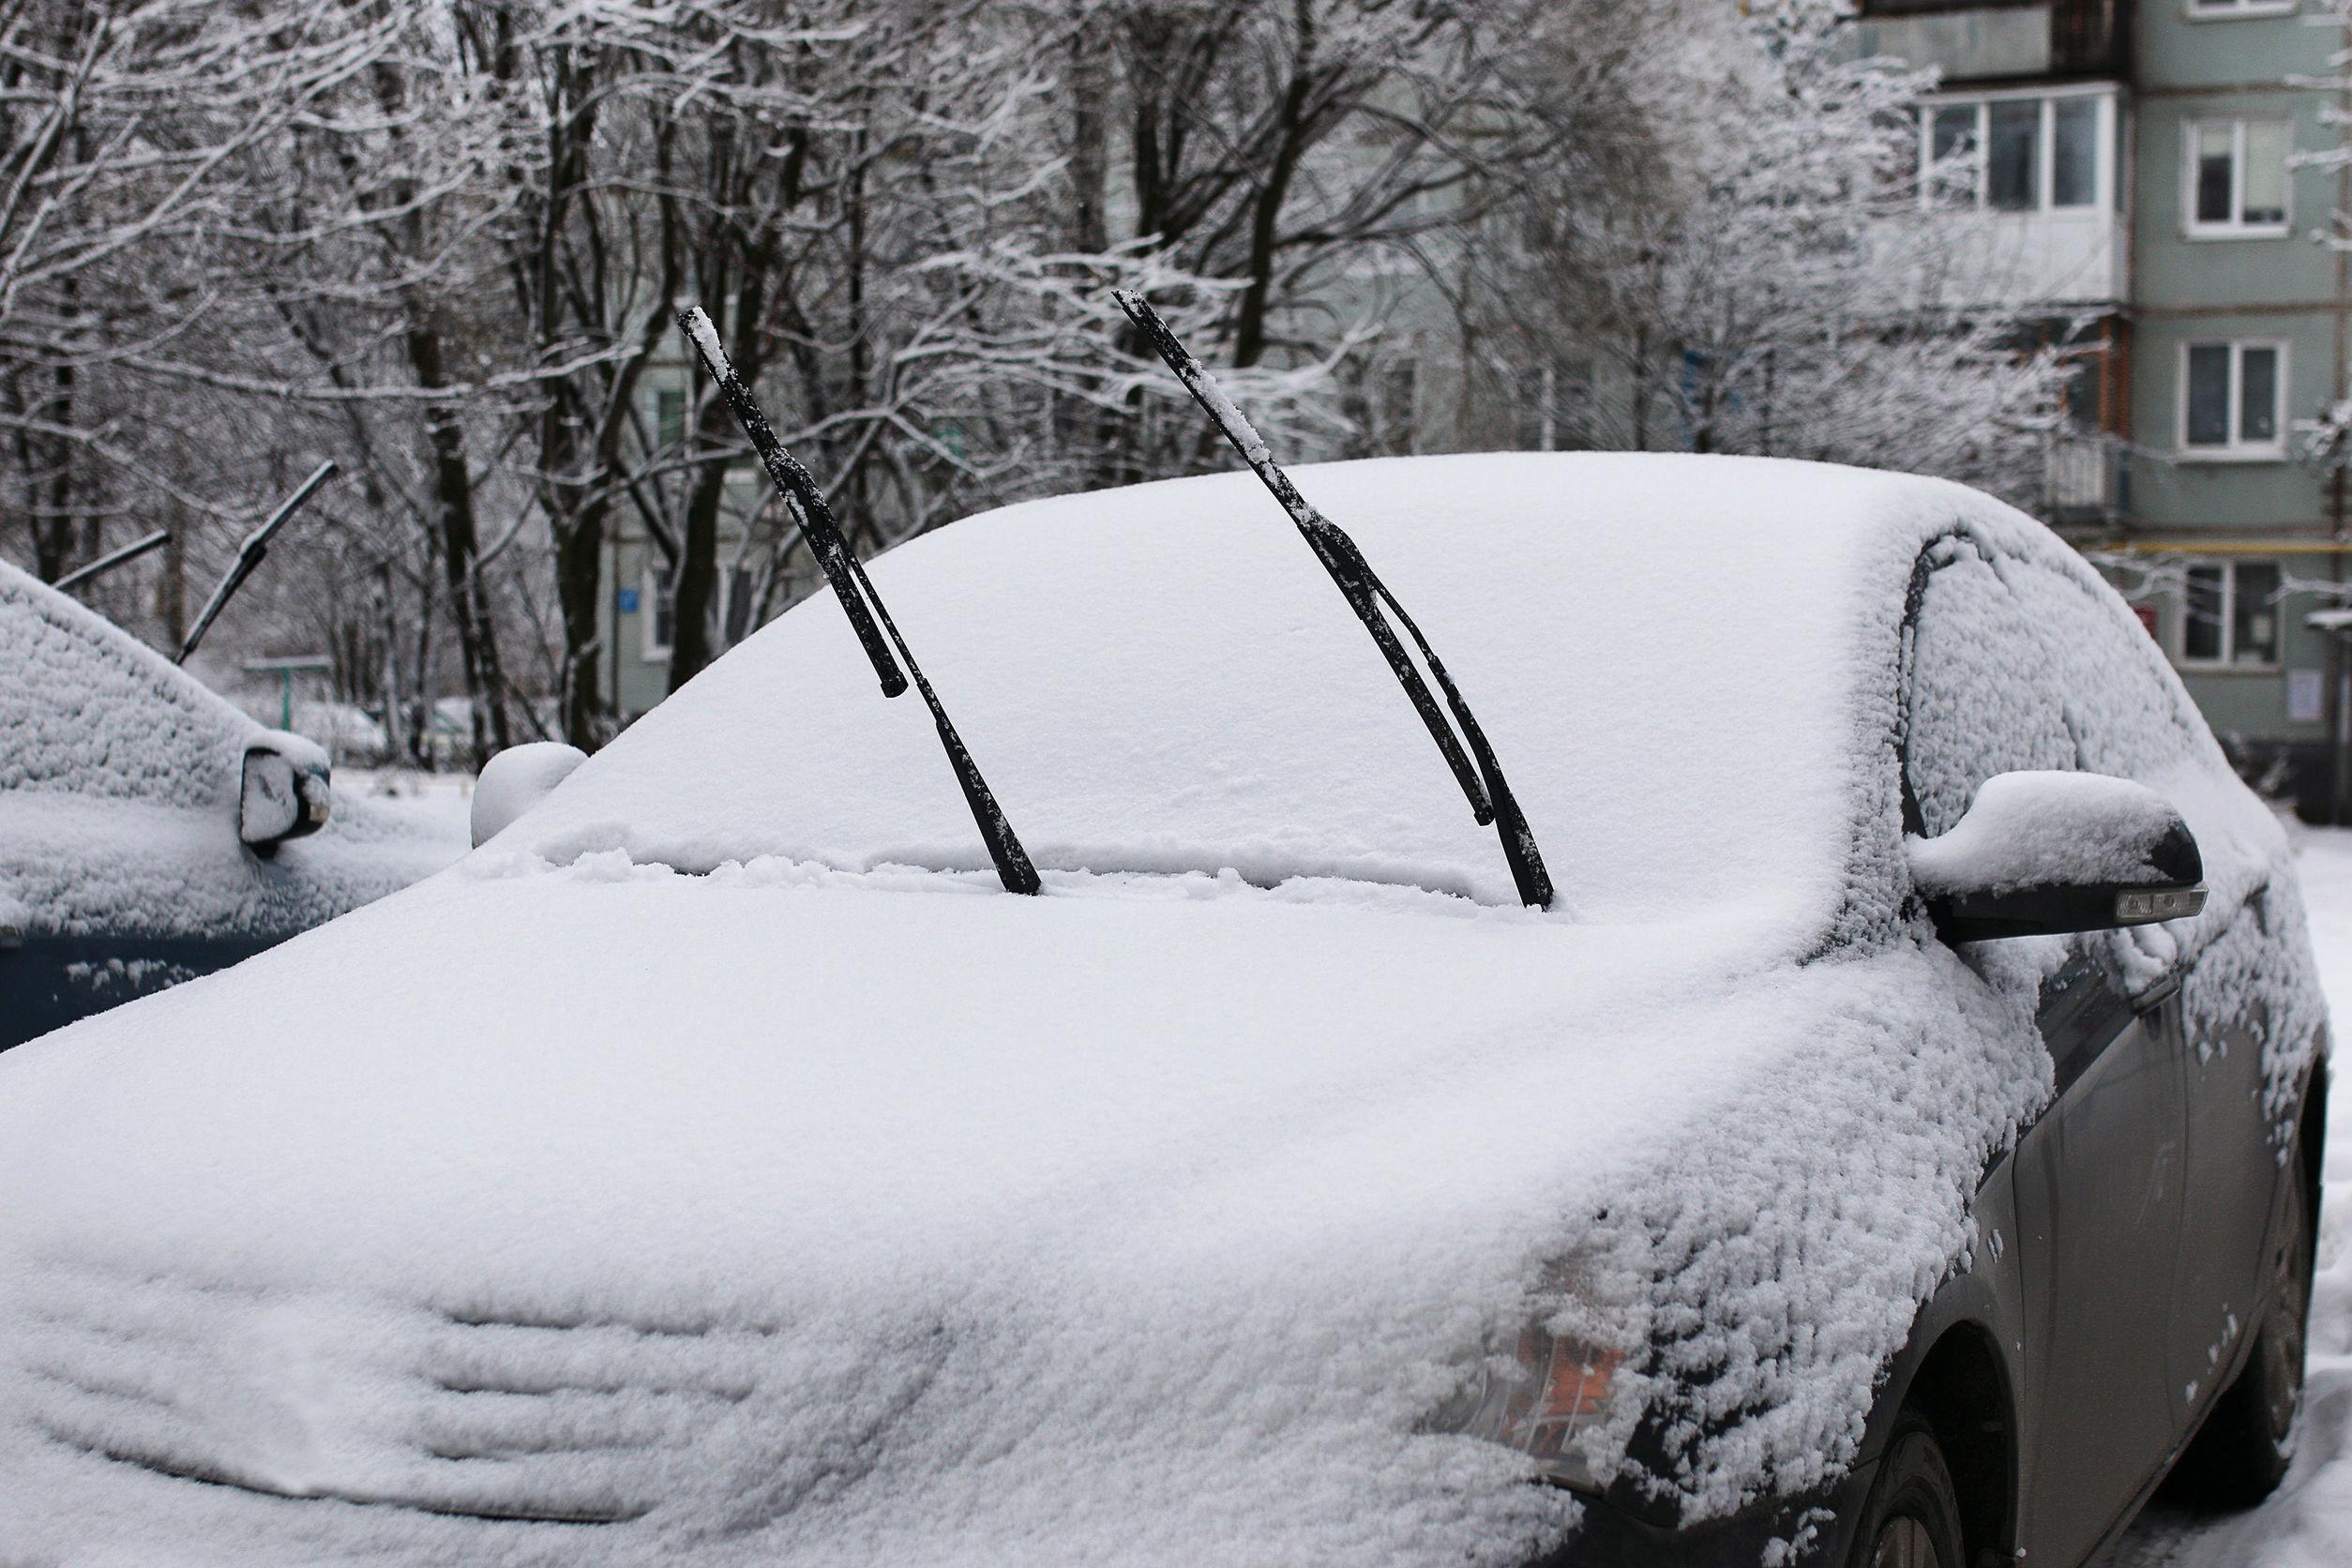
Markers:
(2339, 669)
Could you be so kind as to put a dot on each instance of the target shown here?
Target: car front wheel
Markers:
(1912, 1519)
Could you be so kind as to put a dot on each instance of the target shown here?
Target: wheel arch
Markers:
(1961, 1388)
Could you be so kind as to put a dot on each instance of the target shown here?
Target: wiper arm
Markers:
(249, 556)
(856, 593)
(1490, 796)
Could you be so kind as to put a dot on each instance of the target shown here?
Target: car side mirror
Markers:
(2040, 853)
(284, 791)
(517, 779)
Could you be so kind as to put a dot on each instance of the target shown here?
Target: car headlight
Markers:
(1554, 1392)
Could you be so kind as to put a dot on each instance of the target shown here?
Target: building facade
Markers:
(2135, 165)
(758, 578)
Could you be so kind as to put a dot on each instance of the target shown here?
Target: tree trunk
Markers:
(460, 552)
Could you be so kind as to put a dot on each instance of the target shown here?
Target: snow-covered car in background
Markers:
(717, 1165)
(149, 832)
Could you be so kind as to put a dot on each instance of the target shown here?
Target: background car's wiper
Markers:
(250, 556)
(105, 563)
(848, 581)
(1490, 796)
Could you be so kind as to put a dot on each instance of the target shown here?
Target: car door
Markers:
(2099, 1177)
(2231, 1175)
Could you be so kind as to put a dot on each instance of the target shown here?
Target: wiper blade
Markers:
(850, 584)
(249, 556)
(1488, 793)
(105, 563)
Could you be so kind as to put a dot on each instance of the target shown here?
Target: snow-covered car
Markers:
(149, 832)
(719, 1165)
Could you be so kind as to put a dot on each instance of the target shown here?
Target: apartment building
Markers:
(2133, 166)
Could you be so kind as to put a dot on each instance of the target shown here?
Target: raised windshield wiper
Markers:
(1490, 796)
(848, 581)
(249, 556)
(105, 563)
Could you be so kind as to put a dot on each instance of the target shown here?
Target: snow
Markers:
(1183, 691)
(119, 784)
(515, 780)
(2038, 827)
(719, 1149)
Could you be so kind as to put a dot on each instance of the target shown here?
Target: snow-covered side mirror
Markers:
(2038, 854)
(517, 779)
(284, 791)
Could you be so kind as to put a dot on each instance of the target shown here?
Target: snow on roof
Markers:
(1163, 679)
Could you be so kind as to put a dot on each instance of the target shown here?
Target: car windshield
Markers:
(1160, 680)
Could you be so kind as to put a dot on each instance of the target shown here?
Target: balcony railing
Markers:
(1973, 40)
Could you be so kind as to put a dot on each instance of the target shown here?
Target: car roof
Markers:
(1666, 653)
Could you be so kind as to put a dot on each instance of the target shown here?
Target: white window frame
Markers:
(2234, 227)
(649, 615)
(2236, 10)
(2236, 449)
(2228, 613)
(2046, 149)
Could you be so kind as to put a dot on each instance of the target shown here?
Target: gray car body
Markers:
(2112, 1298)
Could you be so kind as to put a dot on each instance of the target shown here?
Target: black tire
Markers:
(2241, 1454)
(1912, 1519)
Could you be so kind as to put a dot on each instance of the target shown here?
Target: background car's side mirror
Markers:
(284, 791)
(2038, 854)
(517, 779)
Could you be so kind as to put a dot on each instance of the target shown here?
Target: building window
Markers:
(2017, 153)
(1556, 407)
(669, 412)
(2237, 178)
(2074, 153)
(2230, 614)
(660, 624)
(2208, 10)
(736, 594)
(2231, 399)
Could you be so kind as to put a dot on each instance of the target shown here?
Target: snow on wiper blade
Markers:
(1490, 796)
(850, 584)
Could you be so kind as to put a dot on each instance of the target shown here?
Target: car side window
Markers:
(2120, 703)
(1979, 702)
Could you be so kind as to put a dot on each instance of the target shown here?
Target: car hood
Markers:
(1153, 1212)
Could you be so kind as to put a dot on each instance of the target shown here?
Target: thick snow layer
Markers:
(1163, 679)
(517, 779)
(2042, 827)
(828, 1205)
(119, 777)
